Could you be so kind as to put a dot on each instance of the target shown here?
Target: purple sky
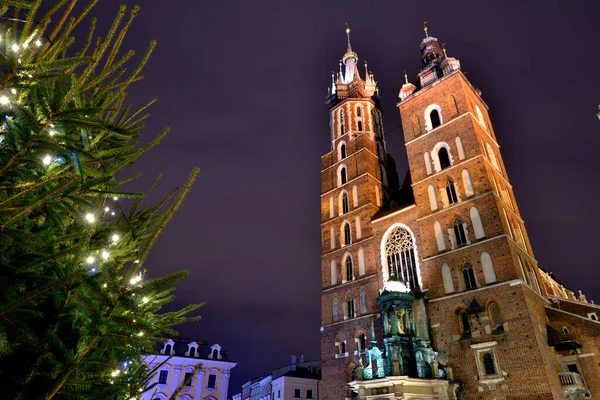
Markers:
(242, 85)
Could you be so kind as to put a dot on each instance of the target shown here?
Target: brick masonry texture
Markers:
(528, 364)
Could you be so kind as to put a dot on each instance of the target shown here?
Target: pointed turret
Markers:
(348, 83)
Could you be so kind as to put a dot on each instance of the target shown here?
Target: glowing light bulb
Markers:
(15, 47)
(145, 300)
(89, 217)
(137, 261)
(105, 254)
(51, 133)
(106, 209)
(90, 259)
(47, 160)
(25, 45)
(114, 238)
(13, 91)
(38, 43)
(115, 198)
(112, 213)
(51, 125)
(4, 100)
(141, 333)
(104, 285)
(93, 270)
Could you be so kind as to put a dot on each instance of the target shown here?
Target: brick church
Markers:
(430, 287)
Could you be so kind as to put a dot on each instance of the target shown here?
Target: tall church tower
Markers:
(486, 304)
(430, 289)
(357, 177)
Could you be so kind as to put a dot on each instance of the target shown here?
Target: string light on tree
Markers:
(4, 100)
(114, 238)
(90, 259)
(105, 255)
(47, 160)
(89, 217)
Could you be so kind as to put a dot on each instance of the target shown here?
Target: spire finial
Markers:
(405, 77)
(348, 35)
(425, 29)
(444, 49)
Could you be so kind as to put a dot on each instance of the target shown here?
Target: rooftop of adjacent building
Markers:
(183, 348)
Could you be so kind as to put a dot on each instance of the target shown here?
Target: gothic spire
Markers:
(350, 59)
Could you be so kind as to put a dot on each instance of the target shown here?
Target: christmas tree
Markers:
(76, 313)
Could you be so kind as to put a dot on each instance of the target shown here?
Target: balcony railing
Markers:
(571, 379)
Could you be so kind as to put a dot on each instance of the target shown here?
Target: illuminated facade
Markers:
(208, 366)
(430, 288)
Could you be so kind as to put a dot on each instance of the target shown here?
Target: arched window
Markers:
(480, 116)
(488, 268)
(349, 268)
(342, 122)
(361, 262)
(347, 236)
(363, 301)
(345, 206)
(416, 125)
(495, 318)
(492, 156)
(355, 196)
(349, 307)
(358, 227)
(434, 116)
(342, 151)
(358, 111)
(332, 238)
(444, 158)
(463, 319)
(460, 148)
(168, 349)
(360, 126)
(469, 277)
(467, 184)
(452, 105)
(361, 341)
(451, 192)
(331, 209)
(432, 198)
(400, 256)
(384, 180)
(428, 167)
(477, 225)
(488, 364)
(459, 233)
(215, 354)
(439, 236)
(342, 176)
(333, 272)
(336, 307)
(447, 279)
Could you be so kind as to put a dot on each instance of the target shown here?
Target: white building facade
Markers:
(208, 367)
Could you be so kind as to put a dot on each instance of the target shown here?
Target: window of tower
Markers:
(469, 277)
(444, 158)
(416, 125)
(343, 151)
(343, 179)
(345, 206)
(463, 320)
(347, 236)
(360, 126)
(350, 306)
(336, 306)
(459, 233)
(363, 301)
(349, 268)
(358, 111)
(495, 319)
(400, 256)
(436, 121)
(451, 192)
(361, 342)
(488, 364)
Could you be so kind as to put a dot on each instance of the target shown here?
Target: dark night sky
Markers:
(242, 84)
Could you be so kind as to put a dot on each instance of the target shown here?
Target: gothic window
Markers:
(488, 268)
(428, 167)
(349, 307)
(347, 235)
(342, 122)
(400, 255)
(333, 272)
(432, 198)
(452, 105)
(463, 319)
(336, 307)
(342, 176)
(439, 236)
(447, 279)
(467, 183)
(332, 237)
(344, 202)
(495, 319)
(384, 180)
(480, 116)
(492, 156)
(434, 116)
(358, 111)
(162, 377)
(444, 158)
(349, 268)
(342, 151)
(476, 222)
(459, 233)
(360, 126)
(416, 125)
(460, 148)
(451, 191)
(363, 300)
(488, 364)
(469, 277)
